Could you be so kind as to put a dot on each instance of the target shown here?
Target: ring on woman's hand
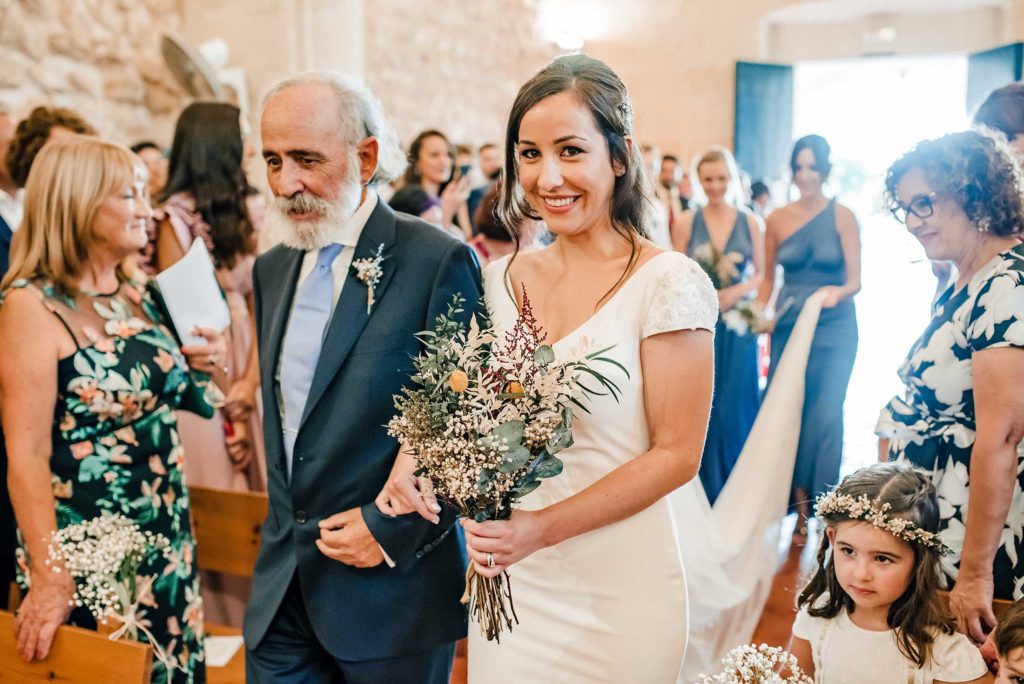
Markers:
(490, 560)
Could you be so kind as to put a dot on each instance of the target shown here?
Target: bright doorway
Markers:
(871, 110)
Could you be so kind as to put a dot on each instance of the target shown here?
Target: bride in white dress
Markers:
(596, 573)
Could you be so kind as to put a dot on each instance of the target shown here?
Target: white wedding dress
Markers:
(609, 605)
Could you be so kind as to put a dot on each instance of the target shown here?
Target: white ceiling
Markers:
(828, 11)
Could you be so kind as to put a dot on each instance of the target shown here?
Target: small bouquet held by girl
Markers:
(872, 611)
(103, 556)
(762, 664)
(486, 423)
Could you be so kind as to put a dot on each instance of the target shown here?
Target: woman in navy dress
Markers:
(728, 242)
(816, 242)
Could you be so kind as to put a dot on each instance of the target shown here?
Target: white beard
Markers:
(313, 234)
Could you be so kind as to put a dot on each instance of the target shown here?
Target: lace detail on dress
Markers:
(684, 299)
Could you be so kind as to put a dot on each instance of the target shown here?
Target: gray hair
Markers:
(361, 116)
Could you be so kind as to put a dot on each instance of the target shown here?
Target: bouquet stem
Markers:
(490, 602)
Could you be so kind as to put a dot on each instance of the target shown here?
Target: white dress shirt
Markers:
(12, 208)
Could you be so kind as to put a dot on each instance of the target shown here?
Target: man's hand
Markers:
(344, 537)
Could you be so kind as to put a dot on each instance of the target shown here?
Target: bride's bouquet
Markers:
(486, 422)
(762, 664)
(103, 556)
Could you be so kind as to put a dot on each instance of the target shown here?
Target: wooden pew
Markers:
(78, 656)
(227, 526)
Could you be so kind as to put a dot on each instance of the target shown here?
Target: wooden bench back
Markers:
(78, 656)
(227, 528)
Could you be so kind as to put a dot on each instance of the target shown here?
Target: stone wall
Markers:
(452, 65)
(98, 57)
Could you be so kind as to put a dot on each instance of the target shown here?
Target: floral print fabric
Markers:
(933, 426)
(116, 447)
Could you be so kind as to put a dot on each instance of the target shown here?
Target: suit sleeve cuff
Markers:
(387, 558)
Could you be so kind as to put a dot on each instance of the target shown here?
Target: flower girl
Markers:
(872, 611)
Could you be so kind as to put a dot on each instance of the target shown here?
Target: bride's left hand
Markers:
(507, 541)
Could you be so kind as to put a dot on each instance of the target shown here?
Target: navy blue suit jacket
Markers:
(343, 455)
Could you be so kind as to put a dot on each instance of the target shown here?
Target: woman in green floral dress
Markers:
(90, 378)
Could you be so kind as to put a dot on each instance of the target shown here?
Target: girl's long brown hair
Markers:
(603, 93)
(918, 615)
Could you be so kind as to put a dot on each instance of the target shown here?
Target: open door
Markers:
(763, 129)
(992, 69)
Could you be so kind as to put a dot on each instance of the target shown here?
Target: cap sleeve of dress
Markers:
(683, 298)
(956, 659)
(806, 627)
(997, 318)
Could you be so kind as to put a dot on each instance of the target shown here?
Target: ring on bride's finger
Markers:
(490, 560)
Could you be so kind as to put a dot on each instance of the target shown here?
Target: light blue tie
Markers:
(302, 343)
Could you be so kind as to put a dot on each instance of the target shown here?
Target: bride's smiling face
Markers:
(565, 169)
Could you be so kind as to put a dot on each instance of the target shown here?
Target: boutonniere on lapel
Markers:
(369, 271)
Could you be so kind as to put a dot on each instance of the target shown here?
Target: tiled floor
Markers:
(776, 621)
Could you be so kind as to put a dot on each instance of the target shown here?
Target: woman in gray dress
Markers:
(816, 242)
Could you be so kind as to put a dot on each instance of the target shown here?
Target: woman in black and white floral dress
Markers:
(962, 417)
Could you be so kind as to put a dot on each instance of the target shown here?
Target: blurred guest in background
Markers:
(493, 241)
(490, 161)
(760, 198)
(816, 240)
(207, 197)
(685, 190)
(156, 168)
(1003, 111)
(415, 201)
(10, 193)
(156, 164)
(667, 187)
(432, 166)
(39, 127)
(728, 243)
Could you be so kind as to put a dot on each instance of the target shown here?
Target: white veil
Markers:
(730, 552)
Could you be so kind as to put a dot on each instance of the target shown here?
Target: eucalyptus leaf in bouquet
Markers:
(486, 419)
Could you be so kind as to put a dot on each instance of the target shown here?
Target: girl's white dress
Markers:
(846, 654)
(609, 605)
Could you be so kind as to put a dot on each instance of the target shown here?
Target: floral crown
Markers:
(870, 511)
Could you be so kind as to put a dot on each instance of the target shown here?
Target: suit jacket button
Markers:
(419, 554)
(300, 517)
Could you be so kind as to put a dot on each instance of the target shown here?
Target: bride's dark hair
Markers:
(603, 93)
(918, 615)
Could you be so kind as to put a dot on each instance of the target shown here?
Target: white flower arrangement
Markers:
(486, 421)
(721, 268)
(103, 556)
(747, 317)
(764, 664)
(369, 272)
(870, 511)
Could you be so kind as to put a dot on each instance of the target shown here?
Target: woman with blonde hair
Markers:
(97, 432)
(728, 242)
